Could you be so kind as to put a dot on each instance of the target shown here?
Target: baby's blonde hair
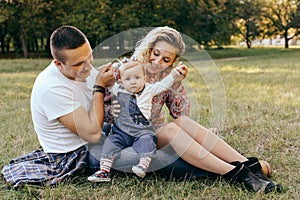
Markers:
(130, 64)
(167, 34)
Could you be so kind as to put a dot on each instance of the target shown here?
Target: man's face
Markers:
(78, 63)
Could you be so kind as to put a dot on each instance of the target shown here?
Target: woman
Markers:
(160, 49)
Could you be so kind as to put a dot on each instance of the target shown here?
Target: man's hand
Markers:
(105, 76)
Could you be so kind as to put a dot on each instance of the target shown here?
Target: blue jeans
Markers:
(165, 163)
(145, 145)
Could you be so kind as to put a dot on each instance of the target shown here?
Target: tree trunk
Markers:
(23, 40)
(2, 45)
(248, 42)
(36, 44)
(286, 40)
(3, 32)
(7, 42)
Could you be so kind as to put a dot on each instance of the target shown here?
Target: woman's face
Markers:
(162, 56)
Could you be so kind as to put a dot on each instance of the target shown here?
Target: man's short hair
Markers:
(63, 38)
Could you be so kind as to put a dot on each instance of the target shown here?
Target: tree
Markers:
(21, 23)
(4, 18)
(266, 29)
(206, 21)
(247, 24)
(224, 17)
(284, 16)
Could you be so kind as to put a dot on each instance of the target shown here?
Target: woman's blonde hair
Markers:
(167, 34)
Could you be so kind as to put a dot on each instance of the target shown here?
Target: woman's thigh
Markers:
(166, 134)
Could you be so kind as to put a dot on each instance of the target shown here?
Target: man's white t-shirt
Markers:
(54, 95)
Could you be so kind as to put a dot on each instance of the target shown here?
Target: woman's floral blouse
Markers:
(176, 101)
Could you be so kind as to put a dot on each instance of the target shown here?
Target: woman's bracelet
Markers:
(98, 88)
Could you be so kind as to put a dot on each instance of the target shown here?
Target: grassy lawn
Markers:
(262, 119)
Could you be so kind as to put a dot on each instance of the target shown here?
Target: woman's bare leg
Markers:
(209, 141)
(190, 150)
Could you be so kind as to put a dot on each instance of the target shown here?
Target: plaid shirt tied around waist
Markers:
(40, 168)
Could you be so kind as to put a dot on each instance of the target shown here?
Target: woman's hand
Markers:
(115, 108)
(179, 73)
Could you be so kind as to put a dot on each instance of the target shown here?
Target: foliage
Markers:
(262, 89)
(26, 25)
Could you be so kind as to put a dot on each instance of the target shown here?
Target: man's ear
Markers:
(58, 63)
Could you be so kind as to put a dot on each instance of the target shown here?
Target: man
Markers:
(67, 109)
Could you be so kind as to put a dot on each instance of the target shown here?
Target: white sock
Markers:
(105, 164)
(144, 162)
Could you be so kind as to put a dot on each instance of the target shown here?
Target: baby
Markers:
(132, 127)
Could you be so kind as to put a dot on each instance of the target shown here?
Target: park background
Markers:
(254, 44)
(26, 25)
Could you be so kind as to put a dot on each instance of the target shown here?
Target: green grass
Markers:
(262, 119)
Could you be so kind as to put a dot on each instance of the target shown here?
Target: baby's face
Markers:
(133, 79)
